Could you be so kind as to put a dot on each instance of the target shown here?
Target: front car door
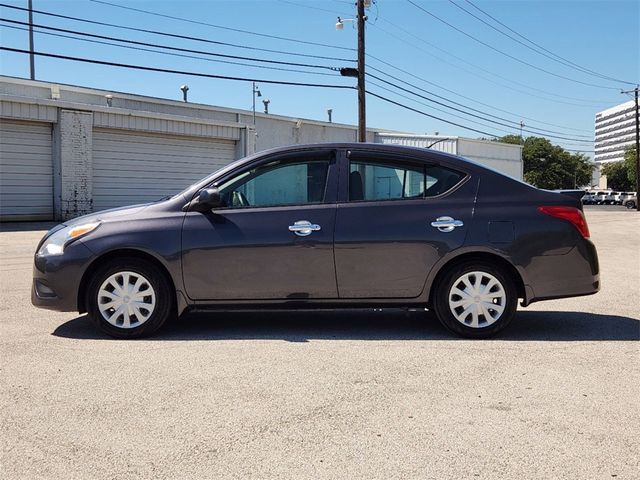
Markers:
(273, 236)
(385, 244)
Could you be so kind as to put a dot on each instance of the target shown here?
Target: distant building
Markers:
(615, 131)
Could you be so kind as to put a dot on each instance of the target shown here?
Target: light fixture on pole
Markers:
(266, 103)
(360, 20)
(255, 93)
(329, 112)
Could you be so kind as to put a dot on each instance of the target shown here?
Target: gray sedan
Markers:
(325, 226)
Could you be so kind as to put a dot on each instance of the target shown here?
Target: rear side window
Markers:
(373, 181)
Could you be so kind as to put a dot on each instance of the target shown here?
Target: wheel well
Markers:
(111, 256)
(503, 264)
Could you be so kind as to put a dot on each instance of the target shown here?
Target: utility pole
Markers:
(635, 94)
(521, 138)
(255, 92)
(32, 64)
(362, 122)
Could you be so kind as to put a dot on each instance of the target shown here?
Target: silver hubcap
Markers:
(126, 299)
(477, 299)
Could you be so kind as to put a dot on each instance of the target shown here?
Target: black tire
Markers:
(444, 312)
(163, 310)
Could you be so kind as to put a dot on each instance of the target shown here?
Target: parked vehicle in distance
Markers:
(586, 197)
(600, 197)
(631, 201)
(324, 226)
(610, 198)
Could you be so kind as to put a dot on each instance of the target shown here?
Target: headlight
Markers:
(54, 245)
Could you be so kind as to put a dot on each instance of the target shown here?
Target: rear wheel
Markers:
(129, 298)
(475, 300)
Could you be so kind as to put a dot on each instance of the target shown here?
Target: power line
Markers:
(560, 61)
(569, 62)
(520, 117)
(471, 114)
(267, 67)
(429, 115)
(393, 102)
(176, 35)
(179, 72)
(248, 32)
(188, 50)
(407, 97)
(475, 122)
(515, 124)
(313, 7)
(489, 72)
(505, 53)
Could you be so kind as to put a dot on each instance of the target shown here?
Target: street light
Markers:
(360, 22)
(266, 103)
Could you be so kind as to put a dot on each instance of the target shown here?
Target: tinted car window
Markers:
(389, 181)
(292, 183)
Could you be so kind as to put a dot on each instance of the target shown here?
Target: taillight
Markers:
(570, 214)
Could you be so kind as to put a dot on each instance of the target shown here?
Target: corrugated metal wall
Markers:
(134, 167)
(26, 171)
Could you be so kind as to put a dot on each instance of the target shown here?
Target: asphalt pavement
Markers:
(335, 395)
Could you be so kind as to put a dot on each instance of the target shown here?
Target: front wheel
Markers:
(129, 298)
(475, 300)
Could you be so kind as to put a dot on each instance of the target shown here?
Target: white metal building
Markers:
(504, 157)
(615, 131)
(66, 150)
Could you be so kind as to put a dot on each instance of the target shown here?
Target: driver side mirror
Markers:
(208, 198)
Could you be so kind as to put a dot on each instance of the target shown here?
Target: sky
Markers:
(458, 61)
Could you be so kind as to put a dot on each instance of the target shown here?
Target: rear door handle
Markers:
(302, 228)
(446, 224)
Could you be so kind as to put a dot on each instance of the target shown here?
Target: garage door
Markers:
(26, 171)
(134, 167)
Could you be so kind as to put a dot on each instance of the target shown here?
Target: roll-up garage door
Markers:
(135, 167)
(26, 171)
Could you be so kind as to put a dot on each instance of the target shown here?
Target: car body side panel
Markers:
(153, 230)
(386, 249)
(552, 257)
(250, 254)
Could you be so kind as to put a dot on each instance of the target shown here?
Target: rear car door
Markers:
(272, 239)
(396, 218)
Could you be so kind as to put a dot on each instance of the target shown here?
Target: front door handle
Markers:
(446, 224)
(302, 228)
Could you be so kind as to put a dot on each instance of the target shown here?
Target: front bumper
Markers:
(56, 279)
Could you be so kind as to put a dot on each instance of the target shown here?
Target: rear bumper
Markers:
(573, 274)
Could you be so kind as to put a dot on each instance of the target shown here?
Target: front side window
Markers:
(277, 183)
(389, 181)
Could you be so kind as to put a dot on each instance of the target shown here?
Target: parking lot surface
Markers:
(327, 394)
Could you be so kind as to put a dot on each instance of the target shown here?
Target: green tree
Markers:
(631, 166)
(551, 166)
(617, 176)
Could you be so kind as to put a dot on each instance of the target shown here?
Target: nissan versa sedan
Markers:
(324, 226)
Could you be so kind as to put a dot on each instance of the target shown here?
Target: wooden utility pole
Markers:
(637, 151)
(637, 115)
(362, 121)
(32, 63)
